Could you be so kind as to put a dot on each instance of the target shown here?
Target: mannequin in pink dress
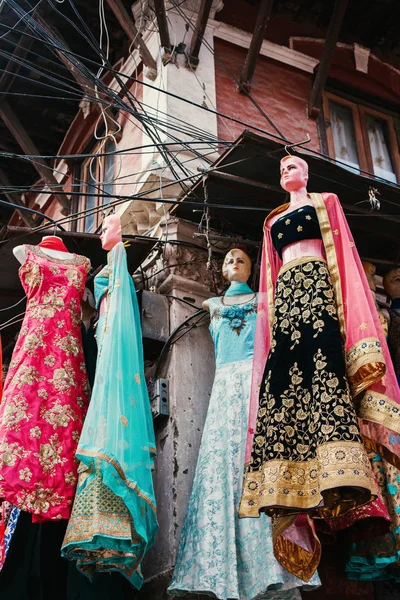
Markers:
(46, 389)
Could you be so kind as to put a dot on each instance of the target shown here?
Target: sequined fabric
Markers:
(46, 390)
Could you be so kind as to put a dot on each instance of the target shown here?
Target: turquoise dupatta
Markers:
(113, 520)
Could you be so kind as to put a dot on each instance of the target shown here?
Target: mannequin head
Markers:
(294, 173)
(391, 283)
(370, 271)
(236, 266)
(111, 232)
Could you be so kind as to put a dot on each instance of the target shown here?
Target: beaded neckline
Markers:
(76, 259)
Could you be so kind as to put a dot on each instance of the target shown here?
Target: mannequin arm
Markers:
(20, 253)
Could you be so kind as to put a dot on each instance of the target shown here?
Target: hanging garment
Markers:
(113, 520)
(305, 454)
(379, 558)
(219, 553)
(45, 394)
(8, 522)
(394, 336)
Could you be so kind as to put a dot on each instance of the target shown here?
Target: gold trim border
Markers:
(276, 483)
(299, 261)
(331, 258)
(380, 409)
(120, 471)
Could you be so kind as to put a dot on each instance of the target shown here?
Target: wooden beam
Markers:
(253, 52)
(326, 58)
(162, 23)
(133, 34)
(45, 171)
(197, 38)
(13, 66)
(15, 198)
(84, 82)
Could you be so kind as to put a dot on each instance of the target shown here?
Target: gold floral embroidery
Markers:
(308, 217)
(64, 378)
(59, 415)
(15, 411)
(363, 326)
(75, 278)
(299, 484)
(336, 231)
(299, 228)
(287, 222)
(55, 270)
(49, 360)
(378, 408)
(30, 273)
(39, 500)
(10, 452)
(27, 376)
(25, 474)
(50, 455)
(280, 236)
(68, 343)
(137, 378)
(124, 421)
(35, 433)
(70, 478)
(298, 303)
(34, 341)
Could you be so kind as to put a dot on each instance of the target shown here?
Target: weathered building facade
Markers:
(324, 74)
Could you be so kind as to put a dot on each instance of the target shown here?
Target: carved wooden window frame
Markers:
(359, 113)
(86, 171)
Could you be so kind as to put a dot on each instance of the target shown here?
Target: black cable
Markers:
(170, 338)
(32, 211)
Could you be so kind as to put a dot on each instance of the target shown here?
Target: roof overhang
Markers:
(246, 176)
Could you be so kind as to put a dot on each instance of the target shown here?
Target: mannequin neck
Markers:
(52, 242)
(237, 288)
(299, 197)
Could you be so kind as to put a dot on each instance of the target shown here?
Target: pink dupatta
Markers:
(369, 369)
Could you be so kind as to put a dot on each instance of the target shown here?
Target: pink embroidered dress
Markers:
(46, 390)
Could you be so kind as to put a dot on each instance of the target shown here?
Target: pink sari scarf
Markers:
(368, 365)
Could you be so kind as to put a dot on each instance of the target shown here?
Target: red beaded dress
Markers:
(46, 390)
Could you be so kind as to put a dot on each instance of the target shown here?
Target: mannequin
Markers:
(113, 520)
(218, 553)
(20, 251)
(370, 272)
(41, 416)
(319, 352)
(391, 283)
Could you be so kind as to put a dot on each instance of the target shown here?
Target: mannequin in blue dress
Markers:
(220, 554)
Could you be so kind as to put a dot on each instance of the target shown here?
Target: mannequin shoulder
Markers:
(206, 304)
(209, 303)
(330, 199)
(20, 253)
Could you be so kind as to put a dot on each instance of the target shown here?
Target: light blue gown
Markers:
(113, 520)
(220, 554)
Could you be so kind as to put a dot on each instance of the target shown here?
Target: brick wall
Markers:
(281, 91)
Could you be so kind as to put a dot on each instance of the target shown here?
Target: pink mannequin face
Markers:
(370, 271)
(391, 283)
(294, 173)
(111, 232)
(237, 266)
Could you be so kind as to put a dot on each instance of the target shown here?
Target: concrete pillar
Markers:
(189, 367)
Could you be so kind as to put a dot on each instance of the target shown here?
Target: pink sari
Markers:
(369, 369)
